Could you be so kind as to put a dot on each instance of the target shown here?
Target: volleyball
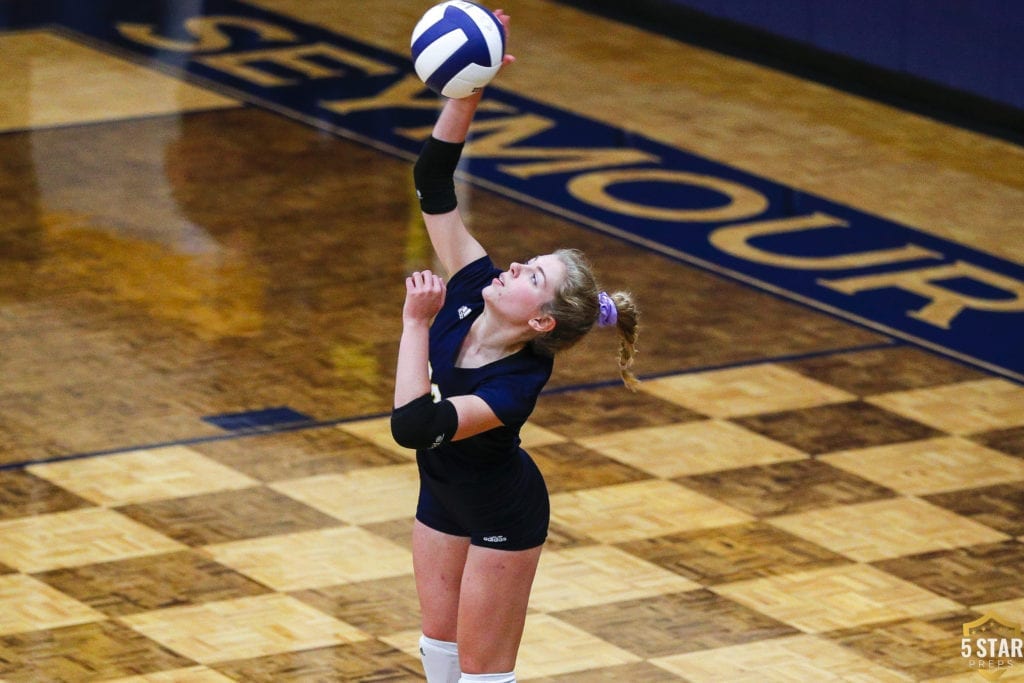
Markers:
(457, 48)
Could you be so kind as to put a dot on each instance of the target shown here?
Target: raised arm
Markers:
(454, 245)
(434, 175)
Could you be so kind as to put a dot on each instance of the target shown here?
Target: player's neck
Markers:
(490, 339)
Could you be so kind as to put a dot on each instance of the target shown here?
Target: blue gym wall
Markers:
(973, 46)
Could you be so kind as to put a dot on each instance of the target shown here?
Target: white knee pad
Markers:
(510, 677)
(440, 660)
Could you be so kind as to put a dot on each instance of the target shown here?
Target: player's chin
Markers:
(491, 295)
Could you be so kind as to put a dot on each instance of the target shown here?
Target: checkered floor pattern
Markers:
(832, 518)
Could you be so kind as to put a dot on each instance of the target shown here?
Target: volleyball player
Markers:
(490, 336)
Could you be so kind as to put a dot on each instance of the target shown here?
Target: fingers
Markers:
(424, 296)
(424, 280)
(506, 21)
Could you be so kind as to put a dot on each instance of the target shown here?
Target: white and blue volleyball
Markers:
(457, 48)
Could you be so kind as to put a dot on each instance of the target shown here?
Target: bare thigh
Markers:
(492, 607)
(438, 560)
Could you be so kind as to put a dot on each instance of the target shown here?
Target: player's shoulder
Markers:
(474, 270)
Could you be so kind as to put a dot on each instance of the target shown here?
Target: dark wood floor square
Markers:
(21, 440)
(89, 652)
(369, 660)
(879, 371)
(1009, 441)
(675, 623)
(836, 427)
(923, 648)
(23, 494)
(1000, 506)
(299, 453)
(570, 467)
(395, 530)
(228, 516)
(974, 575)
(786, 487)
(380, 607)
(561, 537)
(733, 553)
(152, 582)
(597, 411)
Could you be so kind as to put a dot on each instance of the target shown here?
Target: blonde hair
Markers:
(575, 309)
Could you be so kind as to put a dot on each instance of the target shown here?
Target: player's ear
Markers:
(542, 324)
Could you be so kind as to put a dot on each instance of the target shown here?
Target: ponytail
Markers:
(627, 324)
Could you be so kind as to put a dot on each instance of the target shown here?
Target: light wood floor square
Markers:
(780, 660)
(964, 408)
(193, 674)
(1015, 673)
(930, 465)
(551, 647)
(691, 448)
(407, 641)
(745, 390)
(142, 476)
(69, 539)
(591, 575)
(27, 604)
(1007, 610)
(626, 512)
(39, 67)
(883, 529)
(243, 628)
(314, 558)
(365, 496)
(835, 597)
(533, 435)
(378, 432)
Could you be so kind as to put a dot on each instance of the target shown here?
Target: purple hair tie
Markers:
(609, 315)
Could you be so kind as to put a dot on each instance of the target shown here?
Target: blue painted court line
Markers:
(267, 418)
(310, 423)
(290, 427)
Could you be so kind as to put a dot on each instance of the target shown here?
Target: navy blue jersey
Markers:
(510, 385)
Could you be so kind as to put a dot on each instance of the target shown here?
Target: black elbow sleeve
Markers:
(434, 175)
(423, 424)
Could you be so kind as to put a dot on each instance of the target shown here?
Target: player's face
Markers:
(524, 288)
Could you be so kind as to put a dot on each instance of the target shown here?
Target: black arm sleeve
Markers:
(421, 423)
(434, 175)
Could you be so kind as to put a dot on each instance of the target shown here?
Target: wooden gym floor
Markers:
(791, 496)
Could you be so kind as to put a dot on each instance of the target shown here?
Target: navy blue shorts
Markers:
(507, 512)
